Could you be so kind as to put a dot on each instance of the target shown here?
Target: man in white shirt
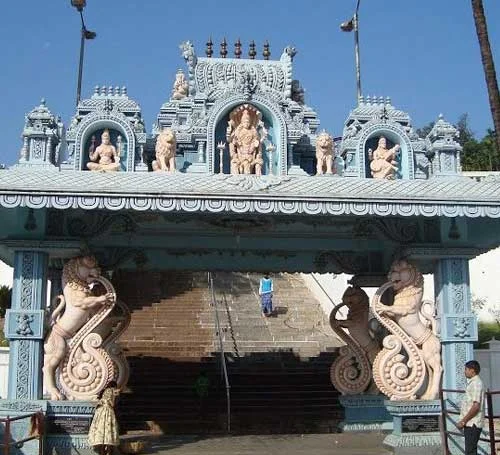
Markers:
(472, 408)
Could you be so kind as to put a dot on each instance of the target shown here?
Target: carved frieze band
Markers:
(276, 206)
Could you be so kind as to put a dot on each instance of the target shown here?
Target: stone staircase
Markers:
(278, 366)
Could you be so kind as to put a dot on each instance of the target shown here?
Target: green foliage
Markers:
(486, 331)
(5, 298)
(3, 341)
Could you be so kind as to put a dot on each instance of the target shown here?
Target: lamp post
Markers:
(85, 34)
(349, 26)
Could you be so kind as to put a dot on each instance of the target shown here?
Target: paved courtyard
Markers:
(309, 444)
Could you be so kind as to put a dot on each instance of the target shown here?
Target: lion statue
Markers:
(77, 305)
(324, 154)
(351, 372)
(412, 329)
(165, 151)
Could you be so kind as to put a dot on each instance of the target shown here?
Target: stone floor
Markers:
(310, 444)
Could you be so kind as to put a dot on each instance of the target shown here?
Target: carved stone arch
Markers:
(395, 133)
(99, 120)
(222, 107)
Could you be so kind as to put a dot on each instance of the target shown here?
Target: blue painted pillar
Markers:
(24, 324)
(458, 325)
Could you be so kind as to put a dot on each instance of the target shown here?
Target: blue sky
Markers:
(422, 53)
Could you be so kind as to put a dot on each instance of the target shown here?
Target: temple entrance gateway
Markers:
(247, 183)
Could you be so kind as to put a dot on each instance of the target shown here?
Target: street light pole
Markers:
(85, 34)
(349, 26)
(356, 51)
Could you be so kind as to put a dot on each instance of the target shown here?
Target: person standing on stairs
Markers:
(266, 295)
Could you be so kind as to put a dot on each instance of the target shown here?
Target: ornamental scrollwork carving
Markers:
(351, 372)
(80, 348)
(411, 354)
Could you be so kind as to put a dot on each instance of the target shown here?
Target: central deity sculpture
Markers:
(383, 160)
(412, 326)
(84, 356)
(245, 133)
(104, 158)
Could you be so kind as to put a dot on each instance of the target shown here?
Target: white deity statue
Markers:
(324, 154)
(181, 86)
(412, 325)
(165, 151)
(245, 135)
(383, 160)
(104, 158)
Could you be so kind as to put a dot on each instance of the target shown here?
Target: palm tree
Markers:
(488, 66)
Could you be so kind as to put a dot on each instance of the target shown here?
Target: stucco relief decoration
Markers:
(80, 351)
(351, 372)
(105, 157)
(165, 151)
(383, 161)
(411, 354)
(245, 134)
(24, 322)
(325, 154)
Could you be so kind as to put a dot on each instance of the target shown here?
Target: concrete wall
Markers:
(4, 371)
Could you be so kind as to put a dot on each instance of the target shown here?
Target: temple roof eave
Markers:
(242, 194)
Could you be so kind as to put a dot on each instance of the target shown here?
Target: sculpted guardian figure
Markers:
(77, 305)
(181, 87)
(383, 160)
(245, 143)
(166, 145)
(397, 377)
(104, 158)
(351, 372)
(324, 154)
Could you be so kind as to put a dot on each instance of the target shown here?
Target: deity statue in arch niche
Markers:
(246, 133)
(383, 161)
(104, 157)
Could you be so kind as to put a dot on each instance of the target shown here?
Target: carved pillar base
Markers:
(365, 413)
(416, 427)
(67, 427)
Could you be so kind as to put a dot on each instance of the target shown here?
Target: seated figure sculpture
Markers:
(104, 158)
(383, 160)
(245, 143)
(324, 154)
(181, 87)
(165, 151)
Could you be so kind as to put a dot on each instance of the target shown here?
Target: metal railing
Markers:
(221, 349)
(490, 416)
(323, 290)
(36, 432)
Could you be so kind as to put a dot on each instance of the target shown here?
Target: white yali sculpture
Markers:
(411, 356)
(325, 154)
(351, 372)
(165, 149)
(81, 355)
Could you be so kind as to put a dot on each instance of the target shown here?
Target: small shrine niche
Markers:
(246, 143)
(383, 157)
(105, 150)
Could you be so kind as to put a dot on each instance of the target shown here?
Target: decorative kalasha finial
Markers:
(252, 52)
(209, 49)
(266, 53)
(223, 48)
(237, 49)
(221, 146)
